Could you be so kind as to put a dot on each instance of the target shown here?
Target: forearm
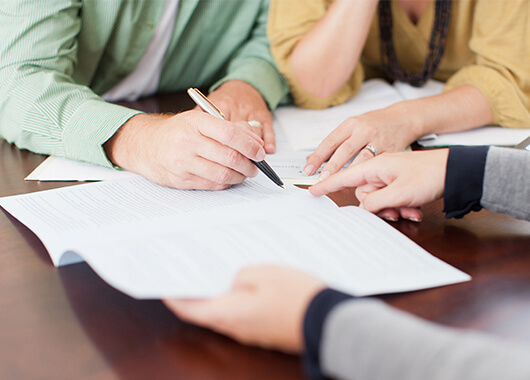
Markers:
(44, 112)
(495, 178)
(325, 58)
(456, 110)
(41, 107)
(506, 182)
(366, 339)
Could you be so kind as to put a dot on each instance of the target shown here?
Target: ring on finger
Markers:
(372, 149)
(255, 123)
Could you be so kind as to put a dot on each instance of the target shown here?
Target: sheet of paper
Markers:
(348, 248)
(289, 166)
(288, 163)
(305, 128)
(150, 242)
(479, 136)
(62, 169)
(115, 210)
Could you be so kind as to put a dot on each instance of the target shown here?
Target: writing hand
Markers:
(191, 150)
(239, 101)
(265, 307)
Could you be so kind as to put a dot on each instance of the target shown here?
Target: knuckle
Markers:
(250, 148)
(350, 122)
(232, 158)
(316, 157)
(184, 176)
(349, 145)
(223, 176)
(365, 153)
(331, 144)
(229, 133)
(219, 187)
(185, 139)
(332, 167)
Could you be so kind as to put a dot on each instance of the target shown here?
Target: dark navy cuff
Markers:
(315, 316)
(464, 180)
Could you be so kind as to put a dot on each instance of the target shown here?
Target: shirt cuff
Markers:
(315, 316)
(263, 77)
(464, 180)
(505, 97)
(90, 127)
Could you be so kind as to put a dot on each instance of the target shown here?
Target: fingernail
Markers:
(261, 155)
(270, 148)
(417, 220)
(324, 175)
(308, 170)
(390, 219)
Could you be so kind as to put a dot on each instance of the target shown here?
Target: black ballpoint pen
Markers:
(207, 106)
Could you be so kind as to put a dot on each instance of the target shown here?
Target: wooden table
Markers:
(66, 323)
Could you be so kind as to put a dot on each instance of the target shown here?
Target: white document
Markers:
(62, 169)
(305, 129)
(489, 135)
(289, 163)
(150, 241)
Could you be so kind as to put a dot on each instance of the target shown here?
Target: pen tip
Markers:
(282, 186)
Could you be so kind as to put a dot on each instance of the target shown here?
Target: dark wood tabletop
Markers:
(66, 323)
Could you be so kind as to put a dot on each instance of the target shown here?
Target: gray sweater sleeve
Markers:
(506, 186)
(366, 339)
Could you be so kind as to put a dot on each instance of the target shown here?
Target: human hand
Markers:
(404, 180)
(191, 150)
(388, 130)
(265, 307)
(239, 101)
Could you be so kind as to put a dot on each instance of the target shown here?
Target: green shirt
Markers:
(58, 56)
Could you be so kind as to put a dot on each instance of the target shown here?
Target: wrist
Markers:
(464, 165)
(122, 148)
(417, 124)
(316, 313)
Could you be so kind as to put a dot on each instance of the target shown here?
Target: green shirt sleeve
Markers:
(41, 108)
(253, 63)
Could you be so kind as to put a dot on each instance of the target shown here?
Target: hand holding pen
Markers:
(206, 105)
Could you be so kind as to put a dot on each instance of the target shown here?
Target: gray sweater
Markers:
(367, 339)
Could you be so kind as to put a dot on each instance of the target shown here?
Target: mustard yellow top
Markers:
(488, 46)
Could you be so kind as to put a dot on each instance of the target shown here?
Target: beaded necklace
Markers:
(389, 61)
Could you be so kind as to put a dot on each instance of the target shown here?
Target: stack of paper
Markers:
(151, 241)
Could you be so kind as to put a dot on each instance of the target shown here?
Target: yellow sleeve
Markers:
(501, 41)
(289, 21)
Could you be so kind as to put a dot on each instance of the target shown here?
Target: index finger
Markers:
(325, 149)
(214, 313)
(354, 176)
